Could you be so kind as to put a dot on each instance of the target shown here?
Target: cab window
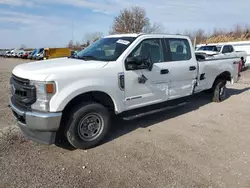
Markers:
(178, 49)
(149, 48)
(226, 49)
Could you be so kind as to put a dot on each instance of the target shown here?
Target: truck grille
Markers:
(23, 94)
(21, 81)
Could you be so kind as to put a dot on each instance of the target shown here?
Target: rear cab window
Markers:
(178, 49)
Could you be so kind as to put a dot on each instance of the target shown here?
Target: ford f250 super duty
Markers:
(76, 97)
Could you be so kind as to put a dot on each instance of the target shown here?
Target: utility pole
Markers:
(194, 42)
(73, 27)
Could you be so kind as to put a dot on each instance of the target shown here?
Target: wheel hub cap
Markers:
(90, 127)
(222, 92)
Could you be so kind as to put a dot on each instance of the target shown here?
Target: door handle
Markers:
(192, 68)
(164, 71)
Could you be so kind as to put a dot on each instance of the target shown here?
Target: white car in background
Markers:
(20, 53)
(8, 54)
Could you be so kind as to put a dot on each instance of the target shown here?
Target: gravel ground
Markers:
(202, 144)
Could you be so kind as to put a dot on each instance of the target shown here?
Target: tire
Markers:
(220, 91)
(88, 125)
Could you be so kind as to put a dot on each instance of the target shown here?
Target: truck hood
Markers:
(40, 70)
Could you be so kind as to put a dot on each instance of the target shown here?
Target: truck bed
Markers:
(209, 69)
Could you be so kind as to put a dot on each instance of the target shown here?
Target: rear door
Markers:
(182, 66)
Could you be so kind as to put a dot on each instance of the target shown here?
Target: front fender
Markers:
(71, 90)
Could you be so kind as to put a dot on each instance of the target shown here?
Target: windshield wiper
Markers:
(88, 57)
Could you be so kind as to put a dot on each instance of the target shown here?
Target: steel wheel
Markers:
(223, 92)
(90, 126)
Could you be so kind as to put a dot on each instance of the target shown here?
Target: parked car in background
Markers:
(26, 54)
(38, 51)
(50, 53)
(74, 53)
(8, 54)
(17, 53)
(20, 53)
(40, 56)
(13, 53)
(31, 54)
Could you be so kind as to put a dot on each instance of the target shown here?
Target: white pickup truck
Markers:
(222, 51)
(76, 97)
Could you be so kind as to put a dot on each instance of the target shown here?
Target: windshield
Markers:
(105, 49)
(208, 48)
(34, 52)
(40, 50)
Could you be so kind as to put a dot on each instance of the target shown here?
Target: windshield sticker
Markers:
(125, 42)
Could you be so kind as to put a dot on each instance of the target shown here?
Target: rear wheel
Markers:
(220, 91)
(88, 125)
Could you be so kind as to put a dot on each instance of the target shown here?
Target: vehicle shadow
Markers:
(122, 127)
(245, 69)
(232, 92)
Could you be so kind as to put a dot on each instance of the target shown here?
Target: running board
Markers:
(153, 111)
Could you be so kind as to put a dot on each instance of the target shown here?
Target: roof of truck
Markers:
(123, 35)
(139, 34)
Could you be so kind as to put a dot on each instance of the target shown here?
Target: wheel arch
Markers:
(226, 75)
(96, 96)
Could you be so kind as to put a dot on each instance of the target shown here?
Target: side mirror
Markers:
(134, 61)
(139, 63)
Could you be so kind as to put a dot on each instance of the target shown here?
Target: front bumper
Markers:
(37, 126)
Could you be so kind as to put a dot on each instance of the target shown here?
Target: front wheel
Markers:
(220, 91)
(88, 125)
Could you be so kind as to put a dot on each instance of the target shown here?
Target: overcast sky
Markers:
(43, 23)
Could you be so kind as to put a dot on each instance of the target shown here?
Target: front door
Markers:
(183, 68)
(143, 86)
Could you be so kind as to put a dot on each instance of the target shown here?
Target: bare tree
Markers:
(78, 45)
(200, 36)
(191, 35)
(87, 43)
(71, 44)
(153, 28)
(134, 20)
(91, 37)
(238, 31)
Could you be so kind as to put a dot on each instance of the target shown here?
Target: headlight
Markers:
(44, 92)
